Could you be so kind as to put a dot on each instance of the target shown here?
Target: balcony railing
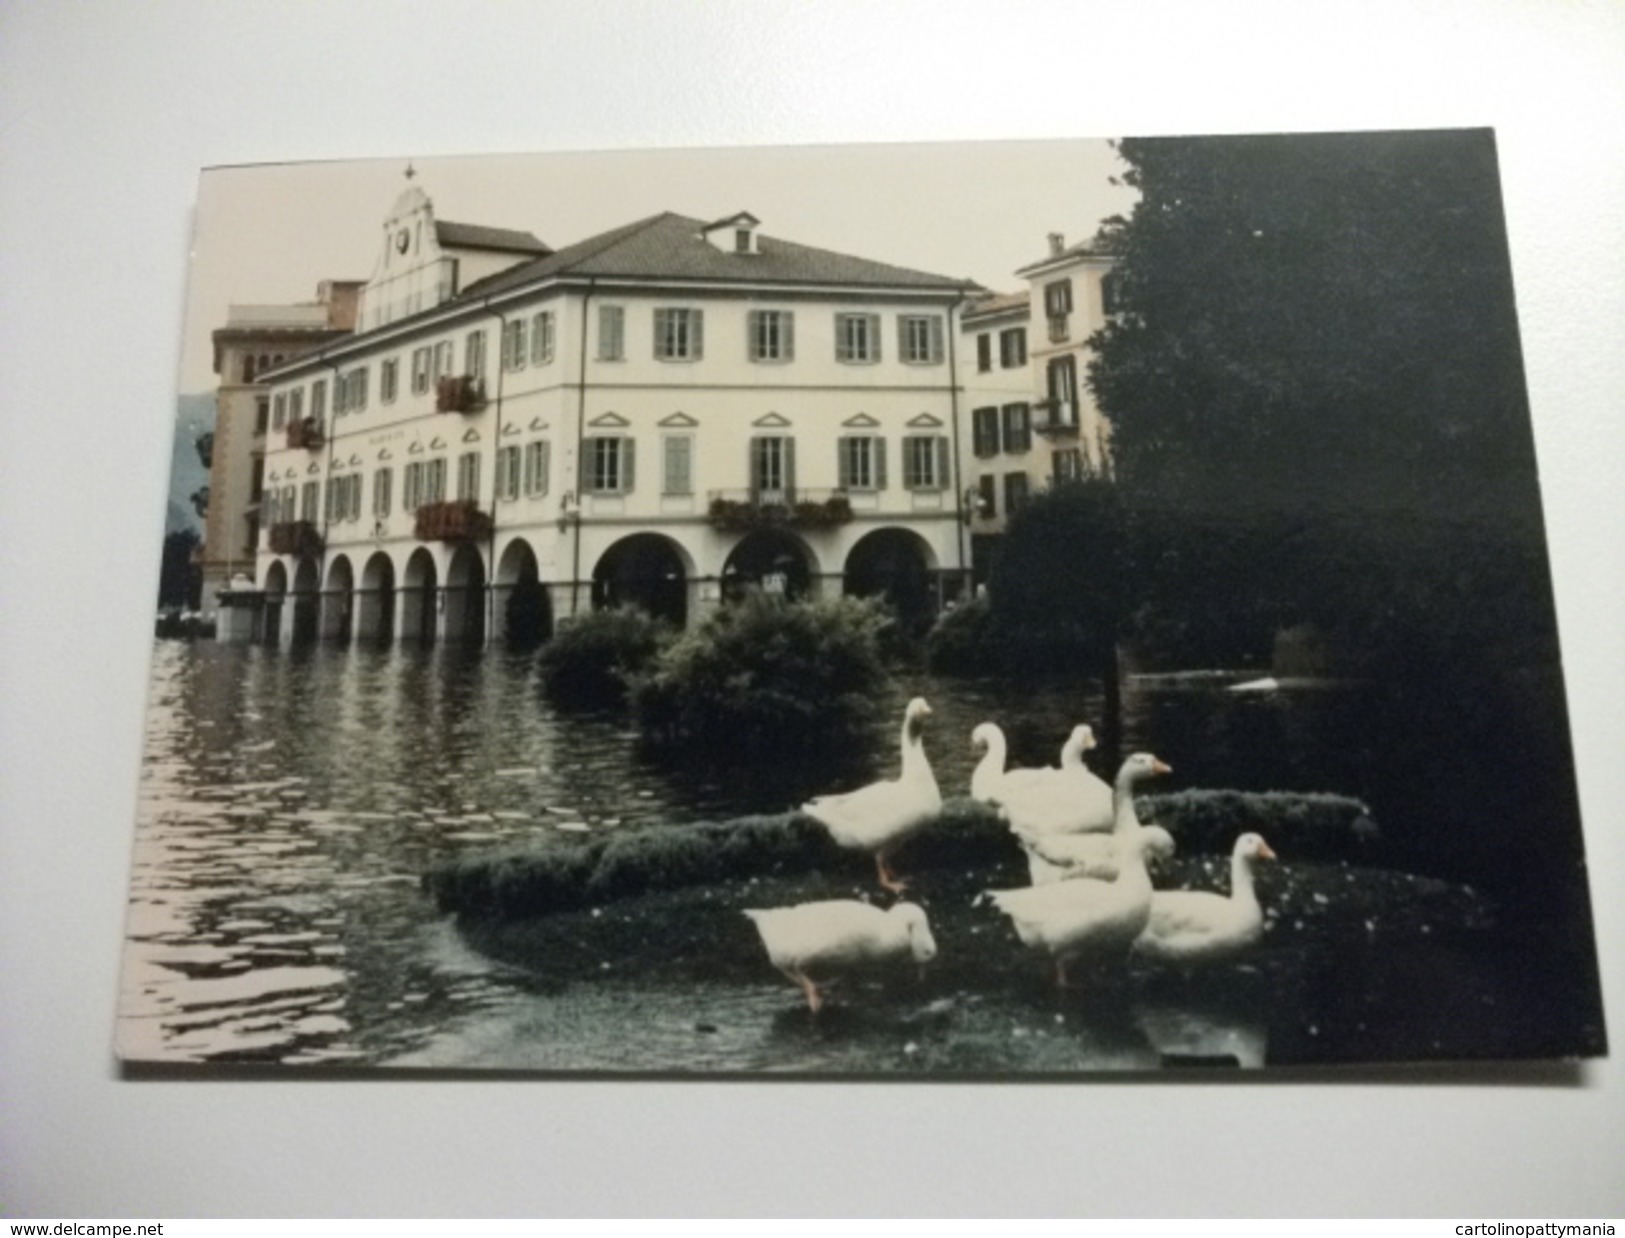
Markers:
(306, 432)
(1055, 417)
(459, 520)
(746, 511)
(458, 393)
(295, 537)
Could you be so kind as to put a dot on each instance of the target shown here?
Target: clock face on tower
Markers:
(402, 240)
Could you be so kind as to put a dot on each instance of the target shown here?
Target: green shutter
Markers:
(787, 335)
(936, 341)
(584, 455)
(629, 457)
(699, 333)
(843, 467)
(790, 468)
(942, 462)
(880, 463)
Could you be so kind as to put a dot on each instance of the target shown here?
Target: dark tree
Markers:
(179, 581)
(1062, 589)
(1316, 389)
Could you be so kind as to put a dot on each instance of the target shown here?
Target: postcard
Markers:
(946, 611)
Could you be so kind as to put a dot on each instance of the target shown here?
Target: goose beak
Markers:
(1157, 767)
(1264, 852)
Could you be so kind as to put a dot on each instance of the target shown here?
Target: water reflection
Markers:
(290, 802)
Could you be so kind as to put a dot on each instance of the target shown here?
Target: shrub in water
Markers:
(593, 659)
(767, 675)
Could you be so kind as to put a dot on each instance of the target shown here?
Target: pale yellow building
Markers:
(663, 414)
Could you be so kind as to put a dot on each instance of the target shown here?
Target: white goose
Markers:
(1057, 856)
(1068, 800)
(816, 943)
(881, 815)
(989, 770)
(1191, 927)
(1083, 919)
(1087, 918)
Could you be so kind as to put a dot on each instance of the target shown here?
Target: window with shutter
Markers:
(1015, 492)
(985, 431)
(1018, 433)
(611, 333)
(925, 462)
(984, 352)
(919, 338)
(678, 334)
(541, 338)
(678, 476)
(536, 468)
(772, 335)
(468, 475)
(1013, 348)
(857, 338)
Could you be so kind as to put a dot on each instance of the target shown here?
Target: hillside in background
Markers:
(194, 415)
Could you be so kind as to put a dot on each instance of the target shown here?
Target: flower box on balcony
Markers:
(295, 537)
(305, 432)
(459, 394)
(459, 520)
(728, 515)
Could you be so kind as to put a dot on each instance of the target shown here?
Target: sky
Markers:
(269, 233)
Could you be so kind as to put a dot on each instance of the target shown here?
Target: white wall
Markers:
(111, 109)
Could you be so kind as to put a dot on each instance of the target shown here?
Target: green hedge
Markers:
(593, 659)
(1297, 824)
(764, 675)
(968, 835)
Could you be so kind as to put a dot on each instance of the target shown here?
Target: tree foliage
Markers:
(179, 579)
(765, 675)
(1315, 383)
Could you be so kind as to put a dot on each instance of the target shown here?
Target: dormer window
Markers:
(736, 234)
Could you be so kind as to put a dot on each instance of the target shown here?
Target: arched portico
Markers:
(523, 612)
(773, 560)
(338, 599)
(276, 594)
(646, 570)
(375, 604)
(465, 597)
(420, 597)
(898, 565)
(306, 601)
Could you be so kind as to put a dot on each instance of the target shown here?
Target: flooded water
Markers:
(291, 801)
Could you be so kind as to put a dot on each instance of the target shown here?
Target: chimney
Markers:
(1057, 243)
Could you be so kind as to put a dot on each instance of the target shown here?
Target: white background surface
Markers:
(108, 110)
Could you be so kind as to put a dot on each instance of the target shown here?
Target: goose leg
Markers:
(888, 879)
(814, 998)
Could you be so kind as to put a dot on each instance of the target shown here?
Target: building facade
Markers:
(662, 415)
(255, 339)
(1032, 420)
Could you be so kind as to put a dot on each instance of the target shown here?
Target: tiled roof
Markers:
(1083, 249)
(998, 303)
(476, 236)
(669, 246)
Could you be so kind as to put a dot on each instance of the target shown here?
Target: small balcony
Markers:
(459, 520)
(1055, 418)
(459, 394)
(306, 432)
(746, 511)
(295, 537)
